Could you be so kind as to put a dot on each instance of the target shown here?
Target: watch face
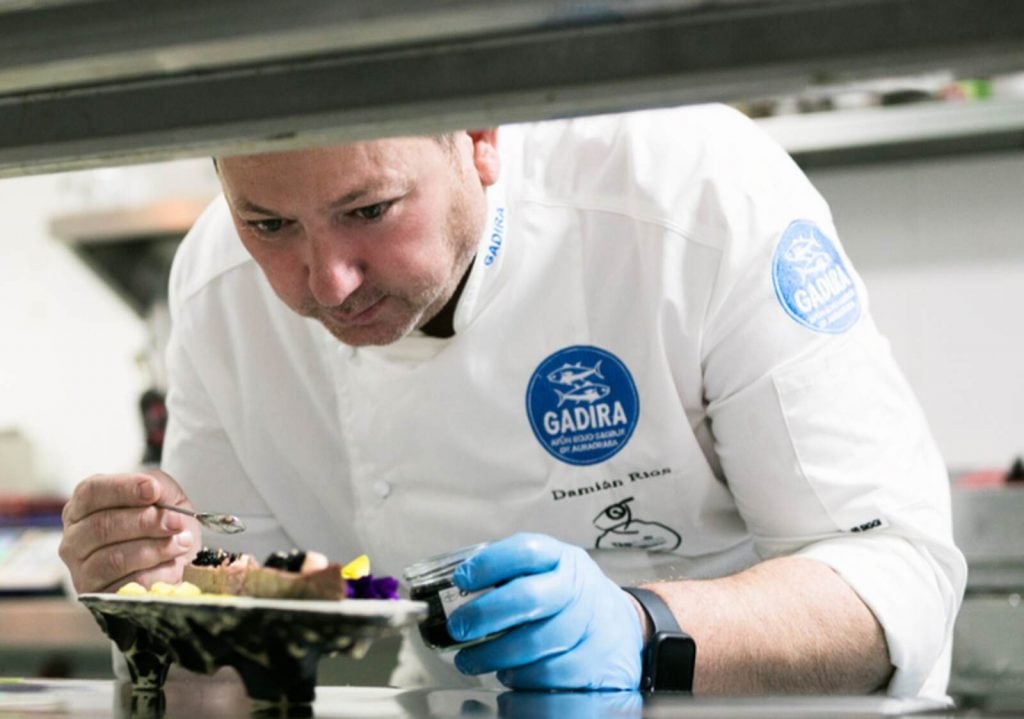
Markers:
(674, 657)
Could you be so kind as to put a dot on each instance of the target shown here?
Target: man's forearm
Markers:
(789, 625)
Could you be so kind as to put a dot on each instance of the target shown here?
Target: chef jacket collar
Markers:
(491, 255)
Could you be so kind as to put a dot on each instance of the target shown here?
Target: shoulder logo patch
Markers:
(582, 404)
(811, 282)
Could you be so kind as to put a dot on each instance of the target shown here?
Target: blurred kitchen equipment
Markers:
(17, 465)
(154, 424)
(988, 525)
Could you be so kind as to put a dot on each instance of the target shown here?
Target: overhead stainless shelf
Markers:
(94, 82)
(899, 132)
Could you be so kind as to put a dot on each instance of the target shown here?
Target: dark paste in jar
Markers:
(430, 581)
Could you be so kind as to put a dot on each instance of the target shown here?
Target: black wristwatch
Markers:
(670, 653)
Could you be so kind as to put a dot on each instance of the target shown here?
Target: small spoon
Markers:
(223, 523)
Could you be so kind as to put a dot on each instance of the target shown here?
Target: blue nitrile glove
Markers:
(569, 626)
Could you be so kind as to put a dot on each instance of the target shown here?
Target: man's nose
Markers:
(335, 270)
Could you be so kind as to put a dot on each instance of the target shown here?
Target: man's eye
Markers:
(373, 212)
(267, 227)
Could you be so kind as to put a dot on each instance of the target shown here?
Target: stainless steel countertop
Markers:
(224, 696)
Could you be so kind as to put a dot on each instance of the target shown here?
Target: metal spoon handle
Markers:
(179, 510)
(223, 523)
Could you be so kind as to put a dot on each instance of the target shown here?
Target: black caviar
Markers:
(287, 561)
(213, 557)
(430, 581)
(434, 629)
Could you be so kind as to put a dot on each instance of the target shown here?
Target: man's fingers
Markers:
(170, 492)
(108, 491)
(507, 559)
(525, 644)
(524, 599)
(116, 563)
(113, 526)
(113, 531)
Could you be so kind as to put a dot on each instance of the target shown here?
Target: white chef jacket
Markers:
(662, 354)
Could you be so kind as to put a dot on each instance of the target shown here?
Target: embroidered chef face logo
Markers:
(622, 531)
(811, 282)
(582, 404)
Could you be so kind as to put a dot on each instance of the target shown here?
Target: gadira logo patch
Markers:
(811, 282)
(582, 404)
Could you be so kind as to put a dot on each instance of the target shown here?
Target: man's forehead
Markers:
(321, 177)
(379, 150)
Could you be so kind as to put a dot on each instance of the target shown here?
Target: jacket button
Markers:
(382, 488)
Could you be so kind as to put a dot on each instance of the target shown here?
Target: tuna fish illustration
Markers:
(573, 374)
(586, 392)
(807, 257)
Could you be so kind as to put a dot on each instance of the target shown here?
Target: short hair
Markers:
(445, 139)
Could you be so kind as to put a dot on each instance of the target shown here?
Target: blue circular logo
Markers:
(811, 282)
(582, 404)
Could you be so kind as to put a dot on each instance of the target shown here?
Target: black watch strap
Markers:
(670, 654)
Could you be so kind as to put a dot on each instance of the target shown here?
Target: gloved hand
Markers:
(569, 626)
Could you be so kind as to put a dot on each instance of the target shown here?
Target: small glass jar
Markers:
(430, 581)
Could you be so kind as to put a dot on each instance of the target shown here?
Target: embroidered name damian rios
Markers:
(606, 484)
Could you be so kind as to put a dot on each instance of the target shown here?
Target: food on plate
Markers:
(215, 571)
(284, 575)
(160, 589)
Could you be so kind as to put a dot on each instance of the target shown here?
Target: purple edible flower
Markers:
(371, 587)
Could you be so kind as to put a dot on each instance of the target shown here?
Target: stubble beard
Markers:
(409, 310)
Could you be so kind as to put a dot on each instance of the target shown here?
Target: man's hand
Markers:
(568, 625)
(114, 535)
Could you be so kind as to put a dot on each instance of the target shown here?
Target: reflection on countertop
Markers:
(223, 695)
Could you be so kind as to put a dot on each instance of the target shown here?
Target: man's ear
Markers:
(485, 154)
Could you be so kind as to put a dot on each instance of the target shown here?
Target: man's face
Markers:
(372, 238)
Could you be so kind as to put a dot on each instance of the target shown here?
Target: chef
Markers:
(628, 351)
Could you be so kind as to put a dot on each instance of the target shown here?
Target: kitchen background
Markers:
(939, 241)
(937, 235)
(78, 355)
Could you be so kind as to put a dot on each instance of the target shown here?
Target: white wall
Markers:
(69, 380)
(940, 244)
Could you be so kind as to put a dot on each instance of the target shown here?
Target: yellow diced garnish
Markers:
(133, 589)
(187, 589)
(162, 589)
(357, 568)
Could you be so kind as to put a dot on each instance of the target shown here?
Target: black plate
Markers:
(274, 644)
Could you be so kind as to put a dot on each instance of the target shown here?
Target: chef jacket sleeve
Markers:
(198, 452)
(820, 438)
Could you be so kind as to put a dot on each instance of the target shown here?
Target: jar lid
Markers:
(440, 565)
